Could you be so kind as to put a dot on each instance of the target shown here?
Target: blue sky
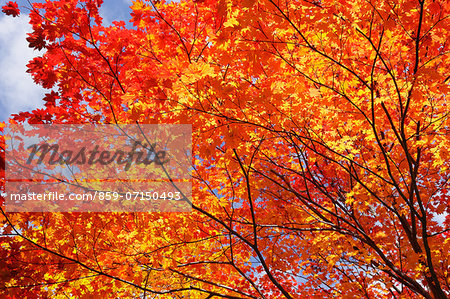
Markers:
(17, 89)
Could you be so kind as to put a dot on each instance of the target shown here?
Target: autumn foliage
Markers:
(11, 9)
(320, 143)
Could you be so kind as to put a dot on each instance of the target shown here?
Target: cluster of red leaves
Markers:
(307, 179)
(11, 9)
(36, 40)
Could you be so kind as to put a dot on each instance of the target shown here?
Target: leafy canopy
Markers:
(320, 141)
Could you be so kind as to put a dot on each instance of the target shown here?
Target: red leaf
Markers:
(11, 8)
(50, 99)
(36, 41)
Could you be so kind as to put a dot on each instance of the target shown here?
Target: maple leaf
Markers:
(50, 99)
(11, 9)
(36, 40)
(320, 150)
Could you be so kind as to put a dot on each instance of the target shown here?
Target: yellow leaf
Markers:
(231, 22)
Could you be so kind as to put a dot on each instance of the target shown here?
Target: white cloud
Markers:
(18, 92)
